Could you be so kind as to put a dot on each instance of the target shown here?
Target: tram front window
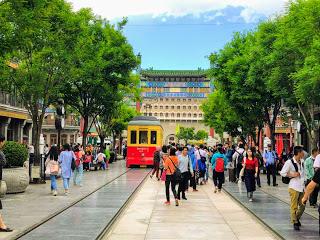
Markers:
(143, 137)
(133, 137)
(153, 137)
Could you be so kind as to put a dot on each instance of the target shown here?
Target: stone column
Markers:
(20, 132)
(68, 137)
(6, 125)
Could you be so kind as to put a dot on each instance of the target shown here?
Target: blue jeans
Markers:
(77, 175)
(53, 179)
(66, 183)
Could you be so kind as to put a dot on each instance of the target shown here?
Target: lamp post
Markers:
(60, 119)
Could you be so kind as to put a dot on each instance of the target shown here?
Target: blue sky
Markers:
(181, 34)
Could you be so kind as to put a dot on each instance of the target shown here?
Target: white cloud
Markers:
(111, 9)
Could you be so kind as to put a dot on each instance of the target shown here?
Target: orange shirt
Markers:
(167, 163)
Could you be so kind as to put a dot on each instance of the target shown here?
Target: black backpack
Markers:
(240, 157)
(286, 180)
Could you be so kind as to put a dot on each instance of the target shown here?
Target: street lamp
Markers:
(60, 119)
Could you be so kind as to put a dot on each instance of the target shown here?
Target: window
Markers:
(167, 107)
(161, 107)
(200, 115)
(153, 137)
(184, 107)
(155, 114)
(172, 114)
(178, 100)
(71, 139)
(172, 99)
(195, 115)
(184, 100)
(178, 107)
(195, 107)
(150, 114)
(143, 137)
(161, 99)
(172, 107)
(167, 114)
(189, 115)
(155, 107)
(161, 114)
(53, 139)
(189, 107)
(189, 100)
(178, 114)
(133, 137)
(184, 115)
(145, 114)
(64, 139)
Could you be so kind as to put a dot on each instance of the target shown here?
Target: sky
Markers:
(181, 34)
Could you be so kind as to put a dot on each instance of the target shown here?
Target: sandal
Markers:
(5, 230)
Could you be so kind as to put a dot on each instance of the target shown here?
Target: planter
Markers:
(17, 179)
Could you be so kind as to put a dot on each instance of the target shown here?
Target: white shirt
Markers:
(296, 183)
(316, 163)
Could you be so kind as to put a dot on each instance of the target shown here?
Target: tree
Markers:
(186, 134)
(201, 135)
(37, 41)
(100, 68)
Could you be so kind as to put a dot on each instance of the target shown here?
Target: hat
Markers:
(269, 145)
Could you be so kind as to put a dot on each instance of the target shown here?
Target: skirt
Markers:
(250, 180)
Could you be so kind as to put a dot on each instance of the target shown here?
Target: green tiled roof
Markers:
(158, 73)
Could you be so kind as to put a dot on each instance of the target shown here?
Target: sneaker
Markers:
(184, 198)
(259, 186)
(250, 200)
(66, 192)
(215, 190)
(151, 176)
(195, 190)
(219, 190)
(299, 223)
(275, 184)
(55, 193)
(167, 203)
(177, 202)
(296, 227)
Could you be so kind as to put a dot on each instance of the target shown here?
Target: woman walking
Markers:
(66, 157)
(185, 166)
(52, 168)
(219, 162)
(250, 164)
(88, 158)
(78, 171)
(170, 164)
(156, 163)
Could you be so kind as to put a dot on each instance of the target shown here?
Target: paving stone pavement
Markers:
(271, 205)
(22, 211)
(87, 219)
(205, 215)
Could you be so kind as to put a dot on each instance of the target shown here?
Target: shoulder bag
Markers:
(177, 173)
(286, 180)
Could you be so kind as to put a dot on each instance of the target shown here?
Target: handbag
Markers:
(164, 175)
(54, 168)
(177, 173)
(73, 164)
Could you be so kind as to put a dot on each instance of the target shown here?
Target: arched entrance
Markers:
(171, 138)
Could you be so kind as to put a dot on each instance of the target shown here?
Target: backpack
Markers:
(219, 164)
(240, 157)
(78, 159)
(286, 180)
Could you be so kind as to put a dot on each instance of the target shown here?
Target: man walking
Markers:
(294, 170)
(309, 172)
(185, 165)
(270, 160)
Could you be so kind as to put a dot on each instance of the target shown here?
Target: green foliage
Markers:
(201, 135)
(186, 134)
(16, 154)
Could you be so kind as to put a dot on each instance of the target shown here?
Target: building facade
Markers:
(174, 97)
(15, 122)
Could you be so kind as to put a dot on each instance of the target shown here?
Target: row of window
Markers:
(143, 137)
(171, 107)
(173, 114)
(176, 79)
(176, 89)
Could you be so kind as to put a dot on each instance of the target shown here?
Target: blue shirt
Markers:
(214, 159)
(270, 157)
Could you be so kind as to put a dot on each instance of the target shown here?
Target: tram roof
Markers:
(145, 120)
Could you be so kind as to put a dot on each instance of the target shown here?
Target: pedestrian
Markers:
(100, 160)
(156, 163)
(52, 168)
(87, 161)
(259, 157)
(251, 167)
(107, 157)
(237, 159)
(66, 157)
(270, 160)
(78, 171)
(294, 170)
(201, 155)
(163, 153)
(218, 162)
(185, 166)
(311, 187)
(170, 164)
(3, 227)
(309, 173)
(194, 165)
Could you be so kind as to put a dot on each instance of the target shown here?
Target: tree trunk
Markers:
(114, 137)
(101, 141)
(36, 131)
(85, 131)
(120, 144)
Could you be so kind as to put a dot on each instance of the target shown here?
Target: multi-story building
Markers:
(15, 122)
(174, 97)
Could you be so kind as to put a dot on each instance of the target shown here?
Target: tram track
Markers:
(57, 213)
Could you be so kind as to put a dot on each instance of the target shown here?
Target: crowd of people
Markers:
(187, 166)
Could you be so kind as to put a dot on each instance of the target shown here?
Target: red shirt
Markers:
(251, 164)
